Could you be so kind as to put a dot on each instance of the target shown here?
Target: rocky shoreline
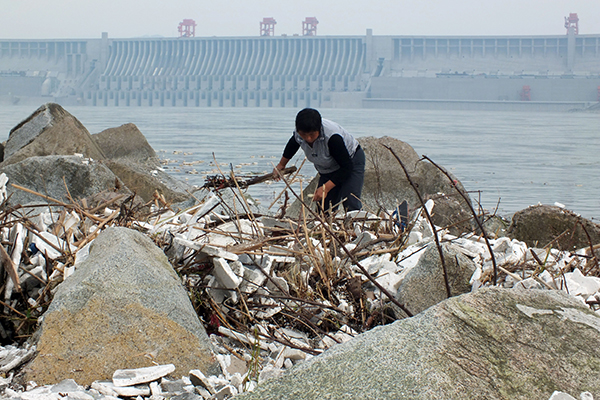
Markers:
(114, 269)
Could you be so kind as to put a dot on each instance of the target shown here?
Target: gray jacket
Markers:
(318, 154)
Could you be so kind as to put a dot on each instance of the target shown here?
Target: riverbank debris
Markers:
(272, 292)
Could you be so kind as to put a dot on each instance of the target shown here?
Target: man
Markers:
(336, 154)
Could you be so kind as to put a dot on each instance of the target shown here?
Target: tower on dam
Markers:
(307, 70)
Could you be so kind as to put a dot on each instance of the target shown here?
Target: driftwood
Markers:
(220, 182)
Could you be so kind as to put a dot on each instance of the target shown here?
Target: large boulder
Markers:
(385, 181)
(50, 130)
(124, 307)
(146, 179)
(59, 177)
(541, 225)
(134, 161)
(125, 142)
(423, 285)
(386, 184)
(490, 344)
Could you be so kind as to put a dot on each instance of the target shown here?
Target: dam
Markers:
(559, 72)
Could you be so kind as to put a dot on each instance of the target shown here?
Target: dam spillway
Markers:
(298, 71)
(230, 71)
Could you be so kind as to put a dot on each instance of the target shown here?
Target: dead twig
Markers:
(429, 219)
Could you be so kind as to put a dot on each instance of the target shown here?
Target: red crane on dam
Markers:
(572, 21)
(267, 27)
(187, 28)
(309, 26)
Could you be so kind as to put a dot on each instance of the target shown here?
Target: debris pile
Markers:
(272, 291)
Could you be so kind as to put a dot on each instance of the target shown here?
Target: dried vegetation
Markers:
(297, 282)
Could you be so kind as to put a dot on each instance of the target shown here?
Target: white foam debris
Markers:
(110, 389)
(130, 377)
(235, 274)
(224, 274)
(3, 182)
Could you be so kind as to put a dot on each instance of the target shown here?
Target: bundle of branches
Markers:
(221, 182)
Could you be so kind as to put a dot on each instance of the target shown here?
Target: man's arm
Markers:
(290, 150)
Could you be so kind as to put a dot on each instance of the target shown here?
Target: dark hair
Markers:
(308, 120)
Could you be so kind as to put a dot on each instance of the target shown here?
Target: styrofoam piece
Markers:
(110, 389)
(199, 379)
(130, 377)
(224, 274)
(208, 250)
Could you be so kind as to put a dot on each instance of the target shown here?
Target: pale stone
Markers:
(561, 396)
(237, 267)
(227, 278)
(47, 249)
(110, 389)
(275, 283)
(15, 357)
(225, 392)
(215, 291)
(390, 282)
(130, 377)
(155, 389)
(364, 239)
(528, 283)
(253, 279)
(237, 381)
(207, 250)
(294, 354)
(578, 284)
(374, 263)
(268, 373)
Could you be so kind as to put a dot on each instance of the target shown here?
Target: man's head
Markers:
(308, 124)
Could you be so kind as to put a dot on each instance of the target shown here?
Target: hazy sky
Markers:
(57, 19)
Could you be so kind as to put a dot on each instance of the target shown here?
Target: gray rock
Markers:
(176, 387)
(490, 344)
(125, 142)
(50, 130)
(423, 285)
(187, 396)
(540, 225)
(124, 307)
(134, 161)
(53, 175)
(385, 181)
(146, 178)
(496, 226)
(386, 184)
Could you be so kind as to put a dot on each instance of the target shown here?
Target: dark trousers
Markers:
(351, 189)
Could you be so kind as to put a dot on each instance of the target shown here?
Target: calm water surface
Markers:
(516, 159)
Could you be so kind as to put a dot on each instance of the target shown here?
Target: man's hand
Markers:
(319, 194)
(279, 167)
(322, 191)
(276, 174)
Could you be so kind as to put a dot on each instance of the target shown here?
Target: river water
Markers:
(508, 160)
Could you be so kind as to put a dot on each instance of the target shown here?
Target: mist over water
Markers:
(514, 158)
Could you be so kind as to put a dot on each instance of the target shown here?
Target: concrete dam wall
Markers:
(275, 71)
(294, 71)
